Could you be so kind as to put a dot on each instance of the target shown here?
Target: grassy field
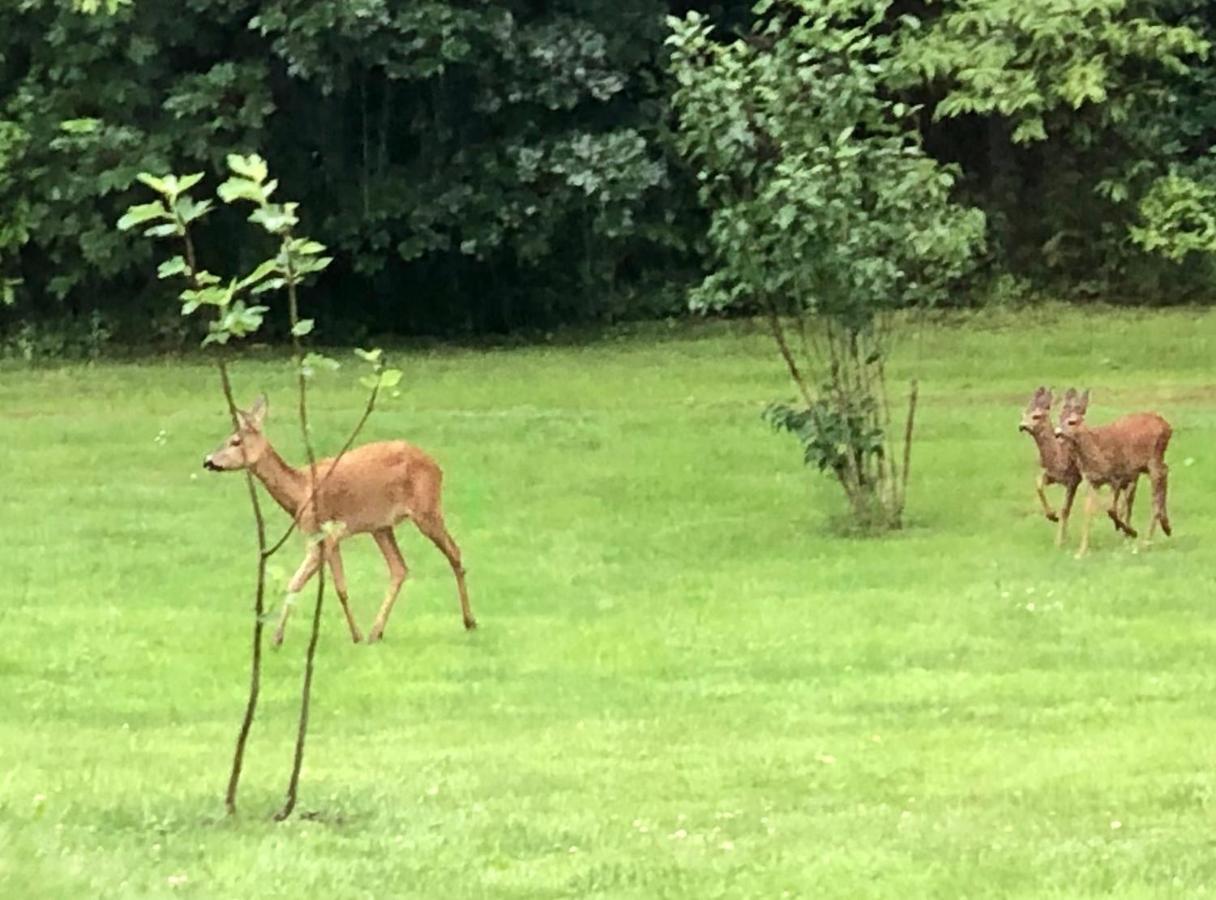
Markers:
(686, 683)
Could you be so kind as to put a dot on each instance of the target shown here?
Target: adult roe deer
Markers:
(371, 489)
(1116, 454)
(1058, 464)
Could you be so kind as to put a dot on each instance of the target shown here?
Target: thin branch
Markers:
(908, 444)
(774, 321)
(368, 409)
(293, 783)
(297, 763)
(259, 611)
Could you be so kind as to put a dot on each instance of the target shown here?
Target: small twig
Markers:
(368, 409)
(903, 490)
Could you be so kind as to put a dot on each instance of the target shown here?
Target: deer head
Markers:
(1037, 414)
(245, 446)
(1072, 415)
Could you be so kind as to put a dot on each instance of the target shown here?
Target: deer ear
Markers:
(257, 413)
(1084, 400)
(1046, 397)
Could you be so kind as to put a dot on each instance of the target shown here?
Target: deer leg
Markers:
(1047, 510)
(1091, 506)
(1131, 498)
(1158, 473)
(397, 570)
(432, 526)
(308, 568)
(1116, 494)
(1070, 494)
(334, 556)
(1113, 512)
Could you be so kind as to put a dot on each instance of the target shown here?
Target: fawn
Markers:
(1055, 459)
(1058, 463)
(370, 489)
(1117, 454)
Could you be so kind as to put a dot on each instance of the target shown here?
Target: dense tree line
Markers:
(482, 166)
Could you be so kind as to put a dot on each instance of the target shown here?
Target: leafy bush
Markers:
(825, 212)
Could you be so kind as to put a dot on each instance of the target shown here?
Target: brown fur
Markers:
(1055, 461)
(369, 490)
(1058, 464)
(1117, 454)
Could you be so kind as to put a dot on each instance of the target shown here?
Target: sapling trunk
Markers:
(293, 783)
(259, 596)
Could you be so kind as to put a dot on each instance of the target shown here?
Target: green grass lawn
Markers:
(686, 682)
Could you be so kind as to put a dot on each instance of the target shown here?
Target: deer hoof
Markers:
(277, 640)
(356, 637)
(1052, 517)
(470, 624)
(375, 636)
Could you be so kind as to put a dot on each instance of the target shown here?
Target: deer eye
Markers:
(235, 442)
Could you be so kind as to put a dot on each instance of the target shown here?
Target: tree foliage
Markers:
(478, 166)
(824, 209)
(473, 165)
(1063, 112)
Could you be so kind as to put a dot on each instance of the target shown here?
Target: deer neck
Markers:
(1091, 454)
(286, 484)
(1052, 455)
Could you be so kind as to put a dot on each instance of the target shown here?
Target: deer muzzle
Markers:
(209, 465)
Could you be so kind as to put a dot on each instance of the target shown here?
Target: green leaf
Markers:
(216, 337)
(79, 126)
(240, 320)
(270, 284)
(157, 184)
(142, 212)
(308, 265)
(307, 247)
(211, 295)
(8, 291)
(169, 229)
(251, 167)
(1029, 130)
(188, 210)
(269, 266)
(235, 189)
(315, 361)
(170, 267)
(275, 218)
(371, 356)
(390, 378)
(303, 327)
